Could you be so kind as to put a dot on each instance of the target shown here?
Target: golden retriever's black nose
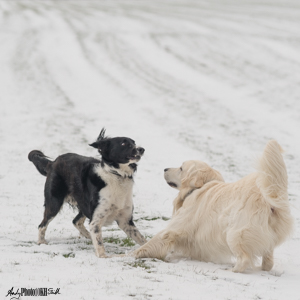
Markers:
(166, 169)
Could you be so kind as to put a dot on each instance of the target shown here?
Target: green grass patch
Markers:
(52, 254)
(112, 240)
(67, 255)
(127, 242)
(139, 264)
(113, 229)
(148, 237)
(83, 248)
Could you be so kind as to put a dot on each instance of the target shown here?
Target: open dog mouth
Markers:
(134, 157)
(172, 184)
(137, 153)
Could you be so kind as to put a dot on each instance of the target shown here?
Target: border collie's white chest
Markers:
(116, 196)
(118, 191)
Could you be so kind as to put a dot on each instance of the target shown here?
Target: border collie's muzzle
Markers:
(137, 153)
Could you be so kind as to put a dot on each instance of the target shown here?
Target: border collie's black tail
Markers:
(41, 162)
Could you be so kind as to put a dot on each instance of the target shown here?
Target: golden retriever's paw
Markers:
(276, 272)
(102, 255)
(138, 254)
(130, 254)
(40, 242)
(119, 255)
(238, 269)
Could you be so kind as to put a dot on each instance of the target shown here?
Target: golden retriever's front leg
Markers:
(158, 247)
(152, 249)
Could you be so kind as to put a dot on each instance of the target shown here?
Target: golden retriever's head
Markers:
(192, 174)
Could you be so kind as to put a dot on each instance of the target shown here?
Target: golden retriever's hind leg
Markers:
(237, 242)
(267, 261)
(243, 262)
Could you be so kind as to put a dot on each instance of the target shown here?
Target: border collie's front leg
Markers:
(96, 224)
(128, 226)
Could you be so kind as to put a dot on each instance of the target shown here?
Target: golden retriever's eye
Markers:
(180, 168)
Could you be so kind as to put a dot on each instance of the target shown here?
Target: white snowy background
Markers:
(211, 79)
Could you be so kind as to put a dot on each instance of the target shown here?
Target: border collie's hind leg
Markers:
(55, 193)
(79, 224)
(52, 207)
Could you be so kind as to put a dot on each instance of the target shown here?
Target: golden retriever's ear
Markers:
(199, 177)
(213, 174)
(190, 178)
(193, 179)
(197, 180)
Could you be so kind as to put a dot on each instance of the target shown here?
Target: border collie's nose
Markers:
(141, 150)
(166, 169)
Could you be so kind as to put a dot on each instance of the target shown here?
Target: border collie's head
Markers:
(118, 150)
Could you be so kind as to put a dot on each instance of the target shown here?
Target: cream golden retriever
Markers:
(214, 221)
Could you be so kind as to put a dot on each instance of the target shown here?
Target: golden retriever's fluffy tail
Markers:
(272, 179)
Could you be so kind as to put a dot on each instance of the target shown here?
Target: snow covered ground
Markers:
(210, 80)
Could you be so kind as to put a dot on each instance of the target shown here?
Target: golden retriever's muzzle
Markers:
(170, 178)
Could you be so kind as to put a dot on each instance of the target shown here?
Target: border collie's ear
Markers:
(100, 140)
(95, 145)
(101, 135)
(101, 146)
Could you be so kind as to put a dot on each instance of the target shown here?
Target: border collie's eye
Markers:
(123, 144)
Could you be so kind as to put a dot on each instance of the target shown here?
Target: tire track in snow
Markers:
(172, 90)
(31, 65)
(177, 102)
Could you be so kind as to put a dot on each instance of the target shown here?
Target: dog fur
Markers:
(100, 189)
(214, 221)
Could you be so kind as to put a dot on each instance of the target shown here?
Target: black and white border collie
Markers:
(100, 189)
